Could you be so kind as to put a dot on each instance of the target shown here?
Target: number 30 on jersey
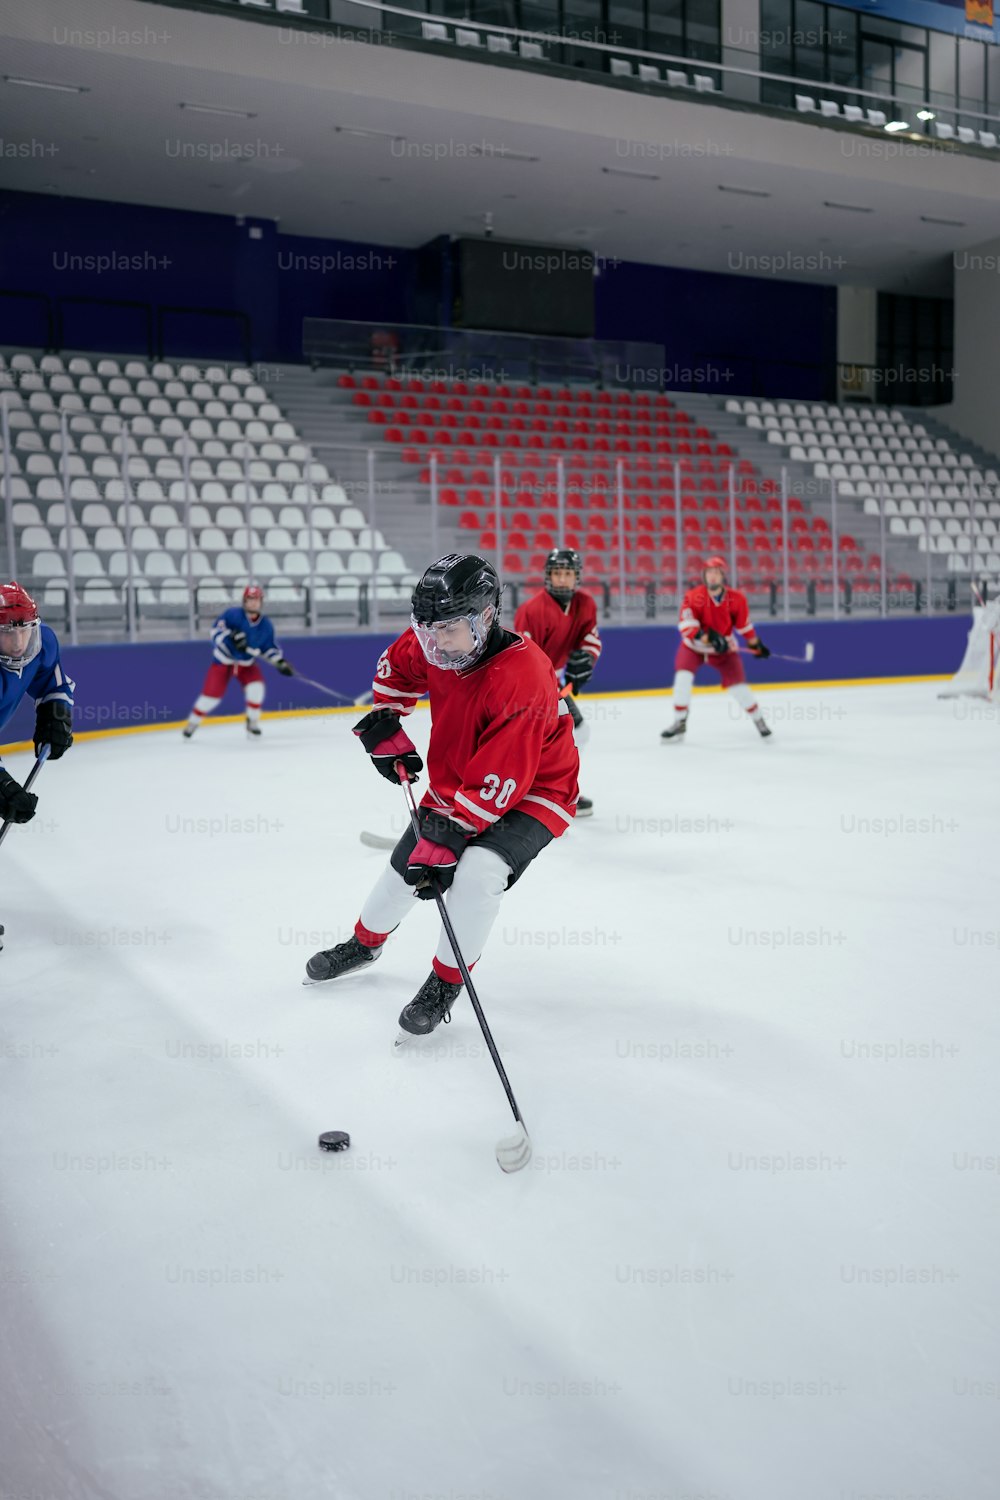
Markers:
(492, 789)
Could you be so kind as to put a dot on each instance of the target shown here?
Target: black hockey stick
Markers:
(780, 656)
(357, 702)
(514, 1151)
(43, 755)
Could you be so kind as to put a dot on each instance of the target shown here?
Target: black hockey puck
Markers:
(334, 1140)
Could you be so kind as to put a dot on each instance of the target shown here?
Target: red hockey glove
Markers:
(386, 742)
(431, 867)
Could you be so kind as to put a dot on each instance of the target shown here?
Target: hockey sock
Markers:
(203, 706)
(683, 681)
(473, 904)
(367, 937)
(743, 694)
(387, 903)
(253, 696)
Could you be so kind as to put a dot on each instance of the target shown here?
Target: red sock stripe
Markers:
(370, 939)
(447, 973)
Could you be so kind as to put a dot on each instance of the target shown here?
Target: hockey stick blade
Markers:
(514, 1151)
(377, 840)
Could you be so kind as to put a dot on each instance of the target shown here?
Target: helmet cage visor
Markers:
(455, 644)
(20, 643)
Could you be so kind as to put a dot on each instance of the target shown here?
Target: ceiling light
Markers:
(743, 192)
(216, 109)
(926, 114)
(485, 149)
(624, 172)
(361, 130)
(895, 125)
(37, 83)
(849, 208)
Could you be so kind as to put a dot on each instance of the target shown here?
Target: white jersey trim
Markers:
(552, 806)
(480, 812)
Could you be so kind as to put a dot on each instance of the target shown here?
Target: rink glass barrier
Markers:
(142, 558)
(145, 686)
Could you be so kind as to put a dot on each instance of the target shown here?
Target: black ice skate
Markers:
(678, 728)
(763, 729)
(429, 1007)
(189, 730)
(335, 963)
(584, 807)
(252, 728)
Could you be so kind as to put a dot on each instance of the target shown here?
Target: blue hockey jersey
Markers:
(260, 638)
(43, 679)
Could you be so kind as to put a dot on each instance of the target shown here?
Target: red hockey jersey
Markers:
(500, 736)
(699, 612)
(557, 630)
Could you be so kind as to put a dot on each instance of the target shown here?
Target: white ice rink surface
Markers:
(750, 1259)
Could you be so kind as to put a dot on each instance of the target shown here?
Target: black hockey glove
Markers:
(386, 742)
(718, 642)
(282, 666)
(52, 728)
(579, 668)
(239, 639)
(432, 865)
(758, 648)
(16, 805)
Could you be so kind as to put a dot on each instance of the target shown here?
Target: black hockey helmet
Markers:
(562, 557)
(459, 586)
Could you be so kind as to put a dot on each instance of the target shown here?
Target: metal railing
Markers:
(642, 533)
(688, 62)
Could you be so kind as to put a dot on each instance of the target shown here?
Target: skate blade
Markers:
(334, 978)
(407, 1039)
(514, 1151)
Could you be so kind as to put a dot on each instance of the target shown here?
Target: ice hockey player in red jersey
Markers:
(562, 619)
(501, 768)
(712, 617)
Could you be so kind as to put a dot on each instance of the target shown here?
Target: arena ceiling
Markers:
(394, 146)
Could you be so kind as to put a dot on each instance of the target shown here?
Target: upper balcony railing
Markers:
(949, 123)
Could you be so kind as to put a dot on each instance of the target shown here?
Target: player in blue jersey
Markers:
(240, 635)
(29, 665)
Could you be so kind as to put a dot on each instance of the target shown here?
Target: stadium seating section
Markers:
(929, 492)
(528, 428)
(250, 481)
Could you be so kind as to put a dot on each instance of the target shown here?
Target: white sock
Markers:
(253, 697)
(388, 902)
(743, 694)
(203, 706)
(683, 681)
(473, 904)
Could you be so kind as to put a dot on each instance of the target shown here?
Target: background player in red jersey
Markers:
(712, 616)
(562, 619)
(501, 765)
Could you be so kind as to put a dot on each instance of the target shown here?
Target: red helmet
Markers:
(714, 562)
(253, 594)
(20, 630)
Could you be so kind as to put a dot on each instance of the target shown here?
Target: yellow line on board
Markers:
(308, 713)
